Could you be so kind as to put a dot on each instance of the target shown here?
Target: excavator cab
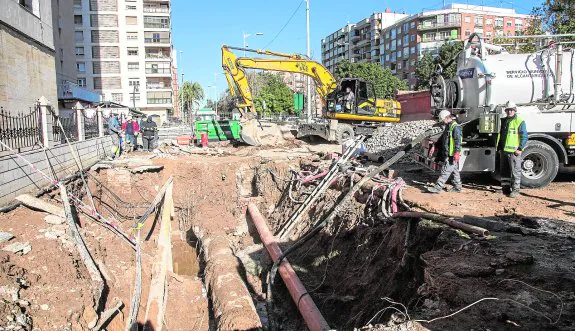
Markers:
(365, 99)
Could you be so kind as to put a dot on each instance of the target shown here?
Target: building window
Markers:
(130, 7)
(134, 82)
(81, 82)
(499, 22)
(467, 33)
(412, 38)
(489, 21)
(79, 51)
(488, 34)
(387, 34)
(79, 35)
(412, 50)
(133, 66)
(509, 23)
(134, 97)
(132, 51)
(77, 4)
(78, 21)
(479, 20)
(398, 54)
(467, 19)
(117, 97)
(398, 65)
(131, 35)
(81, 66)
(412, 24)
(131, 20)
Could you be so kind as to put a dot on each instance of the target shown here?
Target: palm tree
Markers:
(192, 93)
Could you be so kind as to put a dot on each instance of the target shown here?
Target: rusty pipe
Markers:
(311, 314)
(441, 219)
(314, 177)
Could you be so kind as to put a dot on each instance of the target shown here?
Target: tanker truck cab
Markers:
(540, 83)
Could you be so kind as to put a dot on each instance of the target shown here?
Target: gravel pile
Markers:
(387, 140)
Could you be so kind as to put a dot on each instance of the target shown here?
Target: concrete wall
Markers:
(35, 23)
(16, 177)
(27, 71)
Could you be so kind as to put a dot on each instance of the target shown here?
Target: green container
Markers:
(221, 130)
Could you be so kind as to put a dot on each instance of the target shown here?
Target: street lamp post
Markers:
(246, 36)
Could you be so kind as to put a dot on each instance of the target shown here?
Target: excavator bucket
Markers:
(251, 132)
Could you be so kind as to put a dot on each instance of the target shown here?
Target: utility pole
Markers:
(182, 97)
(308, 101)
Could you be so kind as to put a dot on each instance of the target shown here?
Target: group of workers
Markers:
(511, 142)
(130, 130)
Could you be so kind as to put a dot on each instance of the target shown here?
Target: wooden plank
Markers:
(36, 203)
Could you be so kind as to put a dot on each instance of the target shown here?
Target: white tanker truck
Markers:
(542, 86)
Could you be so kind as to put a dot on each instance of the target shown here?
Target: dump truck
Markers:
(540, 83)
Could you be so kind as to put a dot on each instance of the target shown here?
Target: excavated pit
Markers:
(365, 271)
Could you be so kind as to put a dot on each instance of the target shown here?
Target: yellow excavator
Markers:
(340, 119)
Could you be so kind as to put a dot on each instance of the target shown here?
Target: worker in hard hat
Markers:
(511, 142)
(451, 152)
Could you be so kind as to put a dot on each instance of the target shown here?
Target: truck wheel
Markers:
(344, 132)
(540, 164)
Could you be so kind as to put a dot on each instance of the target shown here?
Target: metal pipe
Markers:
(441, 219)
(314, 177)
(311, 314)
(558, 71)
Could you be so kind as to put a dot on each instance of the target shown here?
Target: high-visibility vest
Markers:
(452, 126)
(512, 140)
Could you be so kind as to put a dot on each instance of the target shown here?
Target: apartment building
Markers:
(69, 93)
(406, 41)
(124, 51)
(357, 42)
(27, 54)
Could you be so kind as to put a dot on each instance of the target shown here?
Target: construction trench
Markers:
(188, 241)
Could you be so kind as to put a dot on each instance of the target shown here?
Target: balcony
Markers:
(158, 86)
(159, 101)
(158, 53)
(438, 25)
(157, 40)
(151, 25)
(157, 9)
(158, 71)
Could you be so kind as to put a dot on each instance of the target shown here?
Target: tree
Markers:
(210, 104)
(191, 93)
(557, 16)
(426, 66)
(274, 96)
(384, 82)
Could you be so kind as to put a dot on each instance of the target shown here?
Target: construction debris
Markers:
(42, 205)
(5, 236)
(146, 168)
(54, 220)
(387, 140)
(18, 247)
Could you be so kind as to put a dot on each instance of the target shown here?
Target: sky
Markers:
(200, 27)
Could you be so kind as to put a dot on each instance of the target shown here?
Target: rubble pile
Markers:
(387, 140)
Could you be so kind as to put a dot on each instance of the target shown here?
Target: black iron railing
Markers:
(69, 124)
(90, 126)
(20, 130)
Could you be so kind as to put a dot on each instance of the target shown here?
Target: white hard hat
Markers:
(443, 114)
(510, 105)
